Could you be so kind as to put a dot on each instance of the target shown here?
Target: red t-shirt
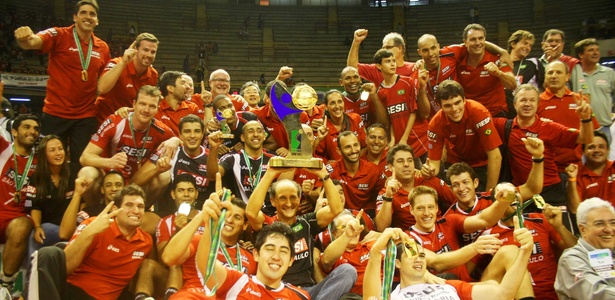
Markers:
(318, 112)
(543, 262)
(361, 189)
(449, 58)
(273, 125)
(68, 96)
(9, 209)
(114, 136)
(402, 218)
(482, 202)
(241, 286)
(125, 90)
(383, 167)
(327, 148)
(563, 111)
(110, 262)
(553, 135)
(371, 73)
(325, 236)
(365, 109)
(590, 184)
(443, 239)
(463, 139)
(357, 258)
(479, 85)
(171, 117)
(400, 101)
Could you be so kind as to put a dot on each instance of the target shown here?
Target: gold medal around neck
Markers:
(84, 75)
(227, 113)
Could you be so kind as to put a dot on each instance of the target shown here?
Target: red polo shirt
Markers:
(479, 85)
(125, 90)
(590, 184)
(465, 139)
(171, 117)
(68, 96)
(274, 125)
(371, 73)
(363, 108)
(327, 148)
(449, 58)
(361, 189)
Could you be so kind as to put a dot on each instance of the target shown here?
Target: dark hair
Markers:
(344, 134)
(518, 36)
(249, 84)
(422, 190)
(598, 133)
(81, 3)
(579, 47)
(6, 108)
(145, 37)
(41, 178)
(331, 92)
(22, 117)
(397, 148)
(270, 85)
(457, 169)
(473, 26)
(382, 54)
(375, 125)
(448, 89)
(191, 118)
(168, 78)
(274, 186)
(239, 203)
(149, 90)
(112, 172)
(128, 190)
(218, 98)
(185, 177)
(276, 229)
(553, 32)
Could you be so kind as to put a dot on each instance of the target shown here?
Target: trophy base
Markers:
(227, 136)
(281, 162)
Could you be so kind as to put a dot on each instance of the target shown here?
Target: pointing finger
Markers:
(218, 182)
(107, 208)
(133, 45)
(516, 222)
(393, 173)
(202, 86)
(359, 215)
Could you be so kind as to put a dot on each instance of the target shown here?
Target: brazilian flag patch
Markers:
(401, 92)
(488, 132)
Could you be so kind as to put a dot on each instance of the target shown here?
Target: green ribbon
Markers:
(21, 179)
(388, 270)
(85, 63)
(216, 228)
(254, 178)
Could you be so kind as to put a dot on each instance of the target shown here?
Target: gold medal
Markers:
(84, 75)
(17, 196)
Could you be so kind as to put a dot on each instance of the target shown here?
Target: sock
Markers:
(170, 291)
(6, 278)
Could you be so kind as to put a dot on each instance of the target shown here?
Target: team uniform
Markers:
(273, 124)
(193, 287)
(327, 147)
(482, 202)
(115, 135)
(543, 262)
(451, 290)
(171, 117)
(371, 73)
(52, 207)
(241, 175)
(360, 189)
(9, 208)
(241, 286)
(401, 217)
(443, 239)
(243, 117)
(306, 228)
(125, 89)
(462, 139)
(110, 262)
(365, 109)
(400, 101)
(182, 163)
(357, 258)
(479, 85)
(447, 69)
(324, 238)
(383, 167)
(590, 184)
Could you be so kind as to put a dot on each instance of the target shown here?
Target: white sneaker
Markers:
(5, 294)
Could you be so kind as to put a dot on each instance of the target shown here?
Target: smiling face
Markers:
(145, 107)
(112, 183)
(146, 53)
(599, 230)
(132, 215)
(429, 50)
(224, 104)
(526, 103)
(219, 83)
(181, 88)
(252, 95)
(376, 140)
(425, 212)
(351, 81)
(475, 42)
(286, 201)
(55, 152)
(522, 48)
(26, 134)
(189, 86)
(335, 105)
(184, 192)
(403, 162)
(555, 43)
(350, 148)
(191, 136)
(273, 258)
(454, 108)
(235, 223)
(590, 55)
(86, 18)
(597, 152)
(253, 135)
(464, 188)
(412, 269)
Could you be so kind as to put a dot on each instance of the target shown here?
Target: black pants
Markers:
(75, 133)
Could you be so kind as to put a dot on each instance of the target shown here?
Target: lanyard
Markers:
(140, 153)
(85, 62)
(21, 179)
(215, 228)
(519, 70)
(256, 178)
(389, 270)
(437, 78)
(238, 267)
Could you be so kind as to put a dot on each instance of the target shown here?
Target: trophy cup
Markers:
(224, 128)
(289, 109)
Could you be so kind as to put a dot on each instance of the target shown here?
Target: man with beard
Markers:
(124, 76)
(173, 107)
(190, 158)
(362, 183)
(17, 162)
(377, 147)
(69, 110)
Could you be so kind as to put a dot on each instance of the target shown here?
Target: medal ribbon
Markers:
(21, 179)
(388, 270)
(141, 153)
(85, 63)
(254, 179)
(216, 228)
(238, 267)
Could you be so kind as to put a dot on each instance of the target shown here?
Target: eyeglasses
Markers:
(220, 80)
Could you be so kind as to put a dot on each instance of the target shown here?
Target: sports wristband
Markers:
(387, 199)
(325, 178)
(572, 179)
(538, 160)
(586, 120)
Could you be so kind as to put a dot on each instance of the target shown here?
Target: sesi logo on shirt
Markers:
(138, 255)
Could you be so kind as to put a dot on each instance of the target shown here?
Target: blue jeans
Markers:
(335, 285)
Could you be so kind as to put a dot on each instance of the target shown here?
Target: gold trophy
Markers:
(224, 128)
(289, 108)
